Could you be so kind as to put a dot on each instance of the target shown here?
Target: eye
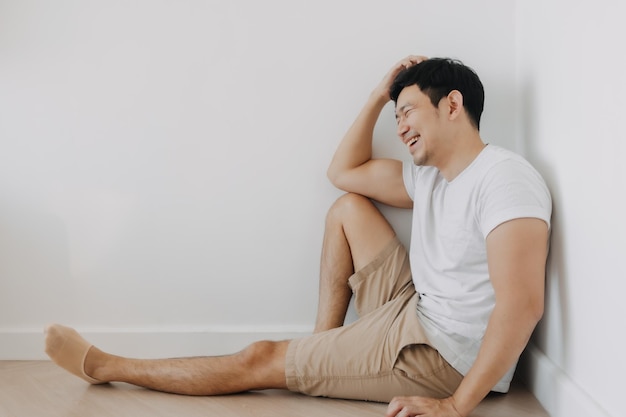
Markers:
(404, 113)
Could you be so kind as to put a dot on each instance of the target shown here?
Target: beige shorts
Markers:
(384, 354)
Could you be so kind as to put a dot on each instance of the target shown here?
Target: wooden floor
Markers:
(41, 389)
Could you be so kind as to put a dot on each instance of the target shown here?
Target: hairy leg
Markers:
(355, 233)
(259, 366)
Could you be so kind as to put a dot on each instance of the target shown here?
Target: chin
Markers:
(419, 161)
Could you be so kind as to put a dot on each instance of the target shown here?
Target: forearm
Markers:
(507, 334)
(355, 149)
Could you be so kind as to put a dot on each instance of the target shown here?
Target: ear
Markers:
(455, 104)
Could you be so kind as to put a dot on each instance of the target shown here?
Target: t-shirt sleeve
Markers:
(513, 190)
(408, 174)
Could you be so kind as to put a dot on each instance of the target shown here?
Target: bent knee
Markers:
(348, 204)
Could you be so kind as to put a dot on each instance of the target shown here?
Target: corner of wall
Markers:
(555, 390)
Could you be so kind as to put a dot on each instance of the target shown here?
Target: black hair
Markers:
(437, 77)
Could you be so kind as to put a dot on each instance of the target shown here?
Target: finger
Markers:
(393, 409)
(413, 60)
(408, 411)
(395, 406)
(401, 407)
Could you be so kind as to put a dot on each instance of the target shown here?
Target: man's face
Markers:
(419, 124)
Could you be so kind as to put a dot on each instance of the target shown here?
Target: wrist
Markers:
(379, 97)
(463, 410)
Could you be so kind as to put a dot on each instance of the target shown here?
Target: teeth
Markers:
(412, 141)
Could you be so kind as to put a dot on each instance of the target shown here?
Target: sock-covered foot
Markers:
(68, 350)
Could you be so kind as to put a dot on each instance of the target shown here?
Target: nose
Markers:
(403, 128)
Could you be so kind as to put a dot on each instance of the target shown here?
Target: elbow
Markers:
(334, 176)
(537, 309)
(536, 304)
(533, 310)
(331, 175)
(528, 311)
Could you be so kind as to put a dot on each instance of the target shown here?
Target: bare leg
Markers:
(259, 366)
(355, 233)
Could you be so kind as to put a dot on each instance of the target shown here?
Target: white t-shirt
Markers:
(451, 221)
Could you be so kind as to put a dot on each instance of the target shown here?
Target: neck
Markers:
(462, 153)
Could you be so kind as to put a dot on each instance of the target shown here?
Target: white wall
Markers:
(571, 91)
(162, 172)
(162, 165)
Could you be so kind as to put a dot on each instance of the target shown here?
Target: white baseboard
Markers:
(28, 344)
(555, 390)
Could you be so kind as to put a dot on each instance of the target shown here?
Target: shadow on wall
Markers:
(554, 325)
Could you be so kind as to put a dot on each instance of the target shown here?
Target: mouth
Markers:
(412, 141)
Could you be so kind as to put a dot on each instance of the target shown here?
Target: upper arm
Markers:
(379, 179)
(516, 253)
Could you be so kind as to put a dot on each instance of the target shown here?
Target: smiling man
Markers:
(480, 227)
(441, 325)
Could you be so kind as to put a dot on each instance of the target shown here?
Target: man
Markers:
(440, 333)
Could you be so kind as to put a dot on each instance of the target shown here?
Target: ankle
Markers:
(96, 364)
